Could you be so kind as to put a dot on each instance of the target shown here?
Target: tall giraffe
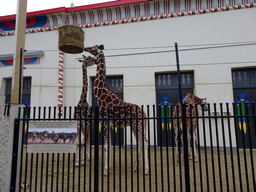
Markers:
(191, 101)
(107, 99)
(82, 112)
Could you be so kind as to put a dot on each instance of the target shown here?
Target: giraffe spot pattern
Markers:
(101, 77)
(100, 85)
(96, 82)
(103, 103)
(108, 98)
(101, 72)
(99, 91)
(96, 91)
(191, 101)
(103, 96)
(115, 101)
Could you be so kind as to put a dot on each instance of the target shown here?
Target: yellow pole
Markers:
(18, 59)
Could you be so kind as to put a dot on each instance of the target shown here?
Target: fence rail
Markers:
(225, 145)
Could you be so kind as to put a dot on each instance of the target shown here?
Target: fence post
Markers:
(185, 146)
(184, 123)
(96, 149)
(15, 155)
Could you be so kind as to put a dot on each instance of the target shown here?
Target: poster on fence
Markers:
(45, 136)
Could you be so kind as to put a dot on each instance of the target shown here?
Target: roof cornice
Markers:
(76, 9)
(36, 13)
(105, 5)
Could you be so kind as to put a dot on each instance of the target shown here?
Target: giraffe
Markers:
(82, 112)
(191, 101)
(107, 99)
(56, 136)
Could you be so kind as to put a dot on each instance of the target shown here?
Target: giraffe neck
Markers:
(100, 80)
(83, 98)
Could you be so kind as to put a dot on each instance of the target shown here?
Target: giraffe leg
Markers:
(178, 135)
(81, 150)
(175, 127)
(82, 147)
(145, 142)
(177, 149)
(107, 149)
(189, 147)
(136, 163)
(146, 155)
(78, 143)
(140, 140)
(194, 143)
(106, 159)
(88, 145)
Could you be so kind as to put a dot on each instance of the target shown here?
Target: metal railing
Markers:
(225, 145)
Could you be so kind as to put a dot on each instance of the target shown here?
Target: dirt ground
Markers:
(61, 177)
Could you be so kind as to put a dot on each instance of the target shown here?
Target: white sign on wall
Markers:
(45, 136)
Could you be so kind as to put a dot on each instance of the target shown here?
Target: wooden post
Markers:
(18, 59)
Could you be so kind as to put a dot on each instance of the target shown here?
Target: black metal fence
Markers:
(225, 138)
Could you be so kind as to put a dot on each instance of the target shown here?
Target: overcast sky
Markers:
(9, 7)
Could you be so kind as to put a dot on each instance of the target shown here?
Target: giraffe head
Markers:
(87, 61)
(95, 50)
(192, 99)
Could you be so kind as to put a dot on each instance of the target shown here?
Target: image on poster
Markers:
(45, 136)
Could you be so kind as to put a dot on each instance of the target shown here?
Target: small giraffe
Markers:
(107, 99)
(192, 100)
(56, 137)
(82, 112)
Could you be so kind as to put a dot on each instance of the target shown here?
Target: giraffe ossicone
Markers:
(112, 106)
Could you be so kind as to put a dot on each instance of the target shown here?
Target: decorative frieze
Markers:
(158, 9)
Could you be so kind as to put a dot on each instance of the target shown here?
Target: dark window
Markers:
(244, 82)
(244, 88)
(167, 86)
(244, 78)
(26, 90)
(8, 90)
